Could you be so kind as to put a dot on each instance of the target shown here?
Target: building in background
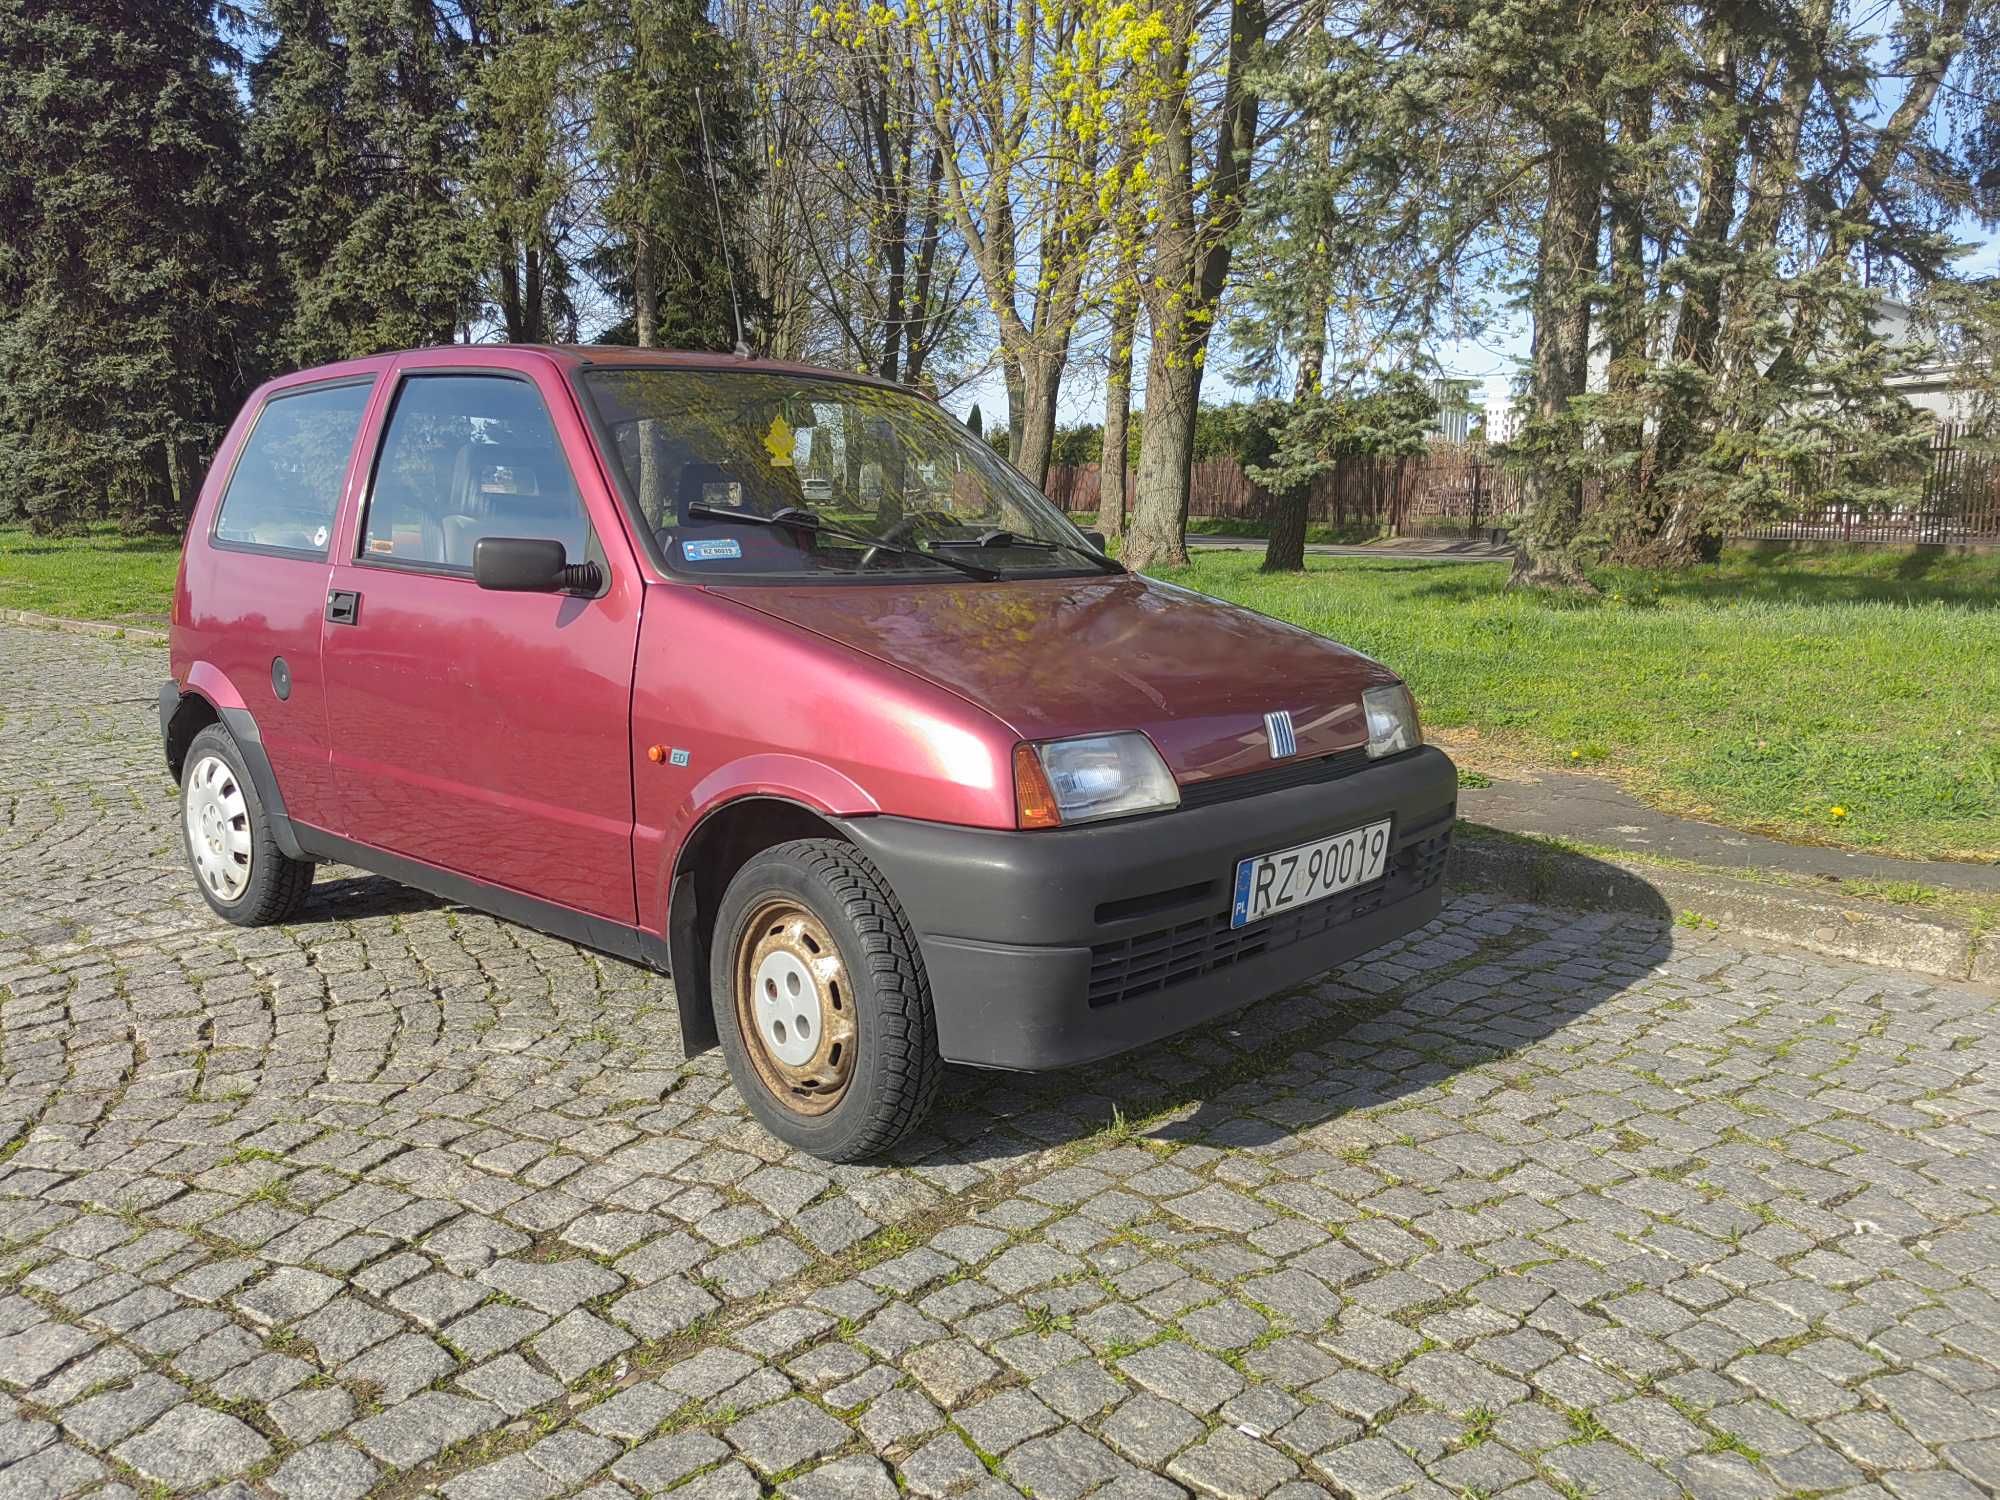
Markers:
(1455, 406)
(1500, 422)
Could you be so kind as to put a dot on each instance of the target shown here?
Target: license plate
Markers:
(1267, 884)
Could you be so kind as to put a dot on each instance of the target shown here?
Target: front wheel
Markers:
(821, 1002)
(243, 874)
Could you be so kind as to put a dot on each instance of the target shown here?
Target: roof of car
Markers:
(588, 356)
(581, 356)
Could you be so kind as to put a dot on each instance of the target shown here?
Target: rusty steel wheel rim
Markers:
(795, 1007)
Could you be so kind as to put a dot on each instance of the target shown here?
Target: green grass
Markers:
(1763, 691)
(100, 574)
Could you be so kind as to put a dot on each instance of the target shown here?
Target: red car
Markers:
(779, 681)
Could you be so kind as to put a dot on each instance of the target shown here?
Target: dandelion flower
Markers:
(1837, 811)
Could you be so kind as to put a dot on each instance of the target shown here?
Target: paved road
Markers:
(402, 1198)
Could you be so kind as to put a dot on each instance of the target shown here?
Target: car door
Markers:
(254, 579)
(477, 731)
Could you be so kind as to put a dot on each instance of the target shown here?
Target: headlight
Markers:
(1392, 720)
(1082, 780)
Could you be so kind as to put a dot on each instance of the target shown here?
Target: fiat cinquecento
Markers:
(780, 682)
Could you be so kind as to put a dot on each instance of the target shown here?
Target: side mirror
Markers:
(528, 565)
(1095, 538)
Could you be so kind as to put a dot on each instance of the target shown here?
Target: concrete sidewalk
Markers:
(1594, 810)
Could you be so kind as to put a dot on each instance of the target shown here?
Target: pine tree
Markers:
(666, 254)
(526, 156)
(129, 289)
(361, 146)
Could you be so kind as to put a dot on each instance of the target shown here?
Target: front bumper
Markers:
(1056, 947)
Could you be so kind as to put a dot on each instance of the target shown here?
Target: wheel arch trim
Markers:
(687, 937)
(208, 683)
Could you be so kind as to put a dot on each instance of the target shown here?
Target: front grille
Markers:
(1152, 961)
(1276, 778)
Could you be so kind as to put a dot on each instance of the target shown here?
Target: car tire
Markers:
(848, 1075)
(226, 837)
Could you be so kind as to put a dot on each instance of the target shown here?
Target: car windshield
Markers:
(709, 454)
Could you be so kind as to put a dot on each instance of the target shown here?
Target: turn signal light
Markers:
(1034, 799)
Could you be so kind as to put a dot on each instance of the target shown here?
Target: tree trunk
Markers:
(1565, 271)
(1034, 436)
(1117, 414)
(1158, 537)
(1016, 382)
(1704, 257)
(1627, 314)
(652, 441)
(1191, 245)
(1286, 551)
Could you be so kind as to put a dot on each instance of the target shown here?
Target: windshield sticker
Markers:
(712, 549)
(779, 441)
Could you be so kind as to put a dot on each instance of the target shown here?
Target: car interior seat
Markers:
(507, 489)
(403, 521)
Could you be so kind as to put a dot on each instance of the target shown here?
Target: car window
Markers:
(285, 487)
(699, 447)
(467, 456)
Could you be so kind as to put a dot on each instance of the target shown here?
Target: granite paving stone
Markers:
(401, 1198)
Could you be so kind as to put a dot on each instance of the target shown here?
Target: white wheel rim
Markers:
(788, 1008)
(218, 827)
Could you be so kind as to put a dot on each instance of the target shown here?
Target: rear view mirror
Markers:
(1095, 538)
(529, 565)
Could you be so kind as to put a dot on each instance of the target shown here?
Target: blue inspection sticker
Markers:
(711, 549)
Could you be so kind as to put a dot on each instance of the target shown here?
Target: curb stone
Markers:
(1875, 932)
(107, 628)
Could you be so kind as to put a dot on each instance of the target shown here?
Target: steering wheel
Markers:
(900, 531)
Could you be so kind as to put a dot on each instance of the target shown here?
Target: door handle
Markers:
(342, 607)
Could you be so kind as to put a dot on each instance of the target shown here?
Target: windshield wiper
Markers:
(1015, 539)
(798, 519)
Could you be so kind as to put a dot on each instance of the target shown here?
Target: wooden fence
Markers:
(1460, 489)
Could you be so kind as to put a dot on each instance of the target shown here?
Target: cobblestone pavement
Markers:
(401, 1198)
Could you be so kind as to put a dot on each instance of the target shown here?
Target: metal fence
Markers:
(1960, 503)
(1356, 492)
(1458, 488)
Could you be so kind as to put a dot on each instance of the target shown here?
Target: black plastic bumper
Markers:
(1052, 948)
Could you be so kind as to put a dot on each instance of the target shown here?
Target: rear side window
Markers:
(465, 457)
(286, 484)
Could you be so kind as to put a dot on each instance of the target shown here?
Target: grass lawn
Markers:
(100, 575)
(1762, 692)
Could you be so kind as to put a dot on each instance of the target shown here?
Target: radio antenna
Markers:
(721, 233)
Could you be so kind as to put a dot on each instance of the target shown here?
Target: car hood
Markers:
(1065, 656)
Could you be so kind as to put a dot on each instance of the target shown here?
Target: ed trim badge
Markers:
(711, 549)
